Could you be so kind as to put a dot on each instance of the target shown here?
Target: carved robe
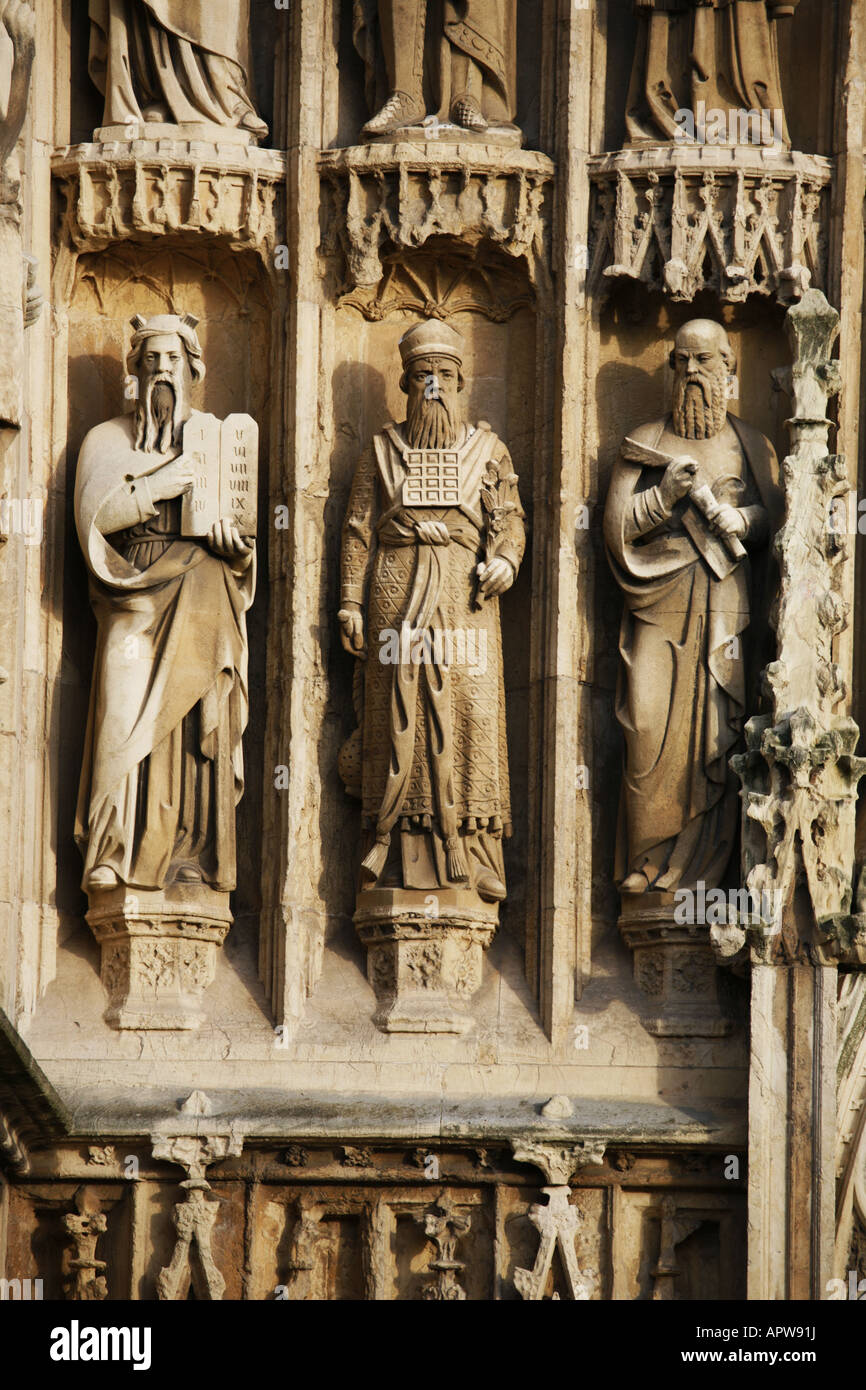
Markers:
(163, 760)
(191, 55)
(723, 53)
(434, 762)
(481, 30)
(681, 699)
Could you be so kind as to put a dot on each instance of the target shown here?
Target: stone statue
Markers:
(174, 62)
(20, 300)
(690, 496)
(695, 58)
(19, 22)
(460, 60)
(432, 537)
(163, 763)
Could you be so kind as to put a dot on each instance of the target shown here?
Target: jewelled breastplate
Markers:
(432, 478)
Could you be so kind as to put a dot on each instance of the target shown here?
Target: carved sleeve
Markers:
(128, 505)
(646, 512)
(509, 535)
(359, 530)
(757, 523)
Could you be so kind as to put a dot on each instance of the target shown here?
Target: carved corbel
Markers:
(398, 197)
(685, 220)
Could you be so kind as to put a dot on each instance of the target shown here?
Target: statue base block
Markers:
(207, 131)
(424, 955)
(159, 952)
(675, 968)
(434, 133)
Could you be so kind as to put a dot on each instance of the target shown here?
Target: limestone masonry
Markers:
(431, 488)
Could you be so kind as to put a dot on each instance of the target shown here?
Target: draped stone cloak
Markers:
(433, 739)
(194, 55)
(724, 53)
(483, 30)
(681, 698)
(163, 760)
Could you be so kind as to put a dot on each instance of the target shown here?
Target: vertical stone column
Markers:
(799, 779)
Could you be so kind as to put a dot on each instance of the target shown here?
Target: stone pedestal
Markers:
(435, 131)
(159, 952)
(424, 955)
(674, 967)
(207, 131)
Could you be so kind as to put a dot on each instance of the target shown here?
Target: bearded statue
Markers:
(433, 535)
(693, 500)
(163, 763)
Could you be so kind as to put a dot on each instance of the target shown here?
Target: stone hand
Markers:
(352, 634)
(728, 521)
(495, 576)
(173, 479)
(225, 540)
(19, 20)
(676, 481)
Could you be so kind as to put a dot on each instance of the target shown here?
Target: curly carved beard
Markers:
(158, 416)
(430, 424)
(700, 405)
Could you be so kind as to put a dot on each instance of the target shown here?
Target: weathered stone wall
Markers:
(587, 1088)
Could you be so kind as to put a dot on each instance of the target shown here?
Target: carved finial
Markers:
(138, 321)
(197, 1104)
(557, 1108)
(190, 320)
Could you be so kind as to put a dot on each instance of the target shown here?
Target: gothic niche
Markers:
(165, 507)
(432, 538)
(693, 502)
(166, 515)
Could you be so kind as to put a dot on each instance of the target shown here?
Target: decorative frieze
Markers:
(384, 197)
(682, 219)
(136, 190)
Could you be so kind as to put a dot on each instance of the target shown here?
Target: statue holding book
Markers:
(693, 500)
(165, 509)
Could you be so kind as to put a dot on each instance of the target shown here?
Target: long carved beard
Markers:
(158, 417)
(430, 424)
(700, 405)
